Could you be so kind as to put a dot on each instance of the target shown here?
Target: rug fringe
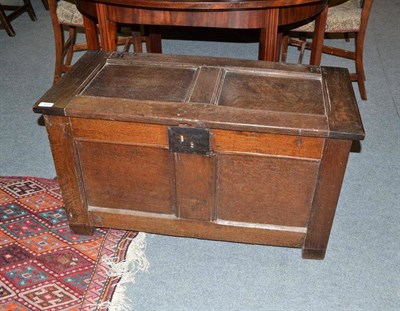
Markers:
(126, 270)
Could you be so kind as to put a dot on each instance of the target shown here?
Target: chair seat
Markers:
(345, 17)
(68, 14)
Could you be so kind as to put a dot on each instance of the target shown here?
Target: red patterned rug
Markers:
(44, 266)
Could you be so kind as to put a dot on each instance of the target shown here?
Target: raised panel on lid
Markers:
(140, 82)
(269, 92)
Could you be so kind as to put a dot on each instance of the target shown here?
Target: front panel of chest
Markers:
(243, 179)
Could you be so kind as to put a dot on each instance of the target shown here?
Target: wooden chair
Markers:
(66, 17)
(17, 10)
(350, 17)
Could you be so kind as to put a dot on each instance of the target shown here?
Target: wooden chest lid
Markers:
(208, 92)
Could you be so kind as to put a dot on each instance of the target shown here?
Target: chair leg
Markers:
(302, 50)
(70, 45)
(360, 68)
(16, 10)
(279, 39)
(30, 10)
(153, 42)
(5, 23)
(284, 49)
(126, 46)
(45, 4)
(59, 47)
(137, 41)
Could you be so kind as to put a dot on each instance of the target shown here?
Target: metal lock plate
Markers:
(189, 140)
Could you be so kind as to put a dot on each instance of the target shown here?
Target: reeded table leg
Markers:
(269, 37)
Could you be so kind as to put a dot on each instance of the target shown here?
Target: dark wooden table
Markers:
(266, 15)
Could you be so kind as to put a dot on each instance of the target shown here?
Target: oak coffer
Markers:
(212, 148)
